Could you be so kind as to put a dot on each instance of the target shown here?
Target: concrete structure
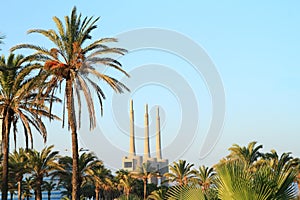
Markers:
(158, 140)
(132, 139)
(146, 143)
(132, 162)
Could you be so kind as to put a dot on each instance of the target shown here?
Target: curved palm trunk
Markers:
(72, 125)
(5, 142)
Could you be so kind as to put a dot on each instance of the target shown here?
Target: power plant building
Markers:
(132, 162)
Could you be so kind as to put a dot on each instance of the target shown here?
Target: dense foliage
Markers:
(267, 177)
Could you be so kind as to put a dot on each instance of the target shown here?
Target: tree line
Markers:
(246, 173)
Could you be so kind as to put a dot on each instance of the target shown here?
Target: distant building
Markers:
(132, 162)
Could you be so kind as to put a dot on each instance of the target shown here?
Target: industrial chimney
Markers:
(158, 139)
(146, 143)
(131, 143)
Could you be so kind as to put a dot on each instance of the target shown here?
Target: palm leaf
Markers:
(183, 192)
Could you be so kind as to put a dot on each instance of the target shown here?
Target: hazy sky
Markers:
(254, 47)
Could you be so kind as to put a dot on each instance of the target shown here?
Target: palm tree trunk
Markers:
(20, 189)
(38, 186)
(97, 193)
(5, 140)
(72, 125)
(12, 195)
(145, 188)
(49, 195)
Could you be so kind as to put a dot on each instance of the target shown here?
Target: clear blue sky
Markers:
(254, 46)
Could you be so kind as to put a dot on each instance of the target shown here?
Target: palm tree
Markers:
(181, 172)
(18, 167)
(18, 102)
(27, 187)
(64, 176)
(144, 172)
(205, 176)
(234, 181)
(248, 154)
(88, 164)
(285, 161)
(101, 178)
(12, 186)
(127, 182)
(158, 194)
(72, 63)
(41, 164)
(48, 186)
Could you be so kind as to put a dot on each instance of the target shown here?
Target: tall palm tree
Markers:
(181, 172)
(41, 164)
(248, 154)
(19, 102)
(72, 63)
(144, 172)
(18, 167)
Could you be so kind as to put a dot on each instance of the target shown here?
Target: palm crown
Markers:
(69, 60)
(18, 97)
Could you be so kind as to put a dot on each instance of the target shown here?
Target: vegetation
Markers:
(28, 85)
(74, 64)
(18, 162)
(40, 164)
(181, 172)
(269, 177)
(1, 39)
(145, 172)
(19, 102)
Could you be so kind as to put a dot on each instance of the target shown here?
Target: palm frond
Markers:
(181, 192)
